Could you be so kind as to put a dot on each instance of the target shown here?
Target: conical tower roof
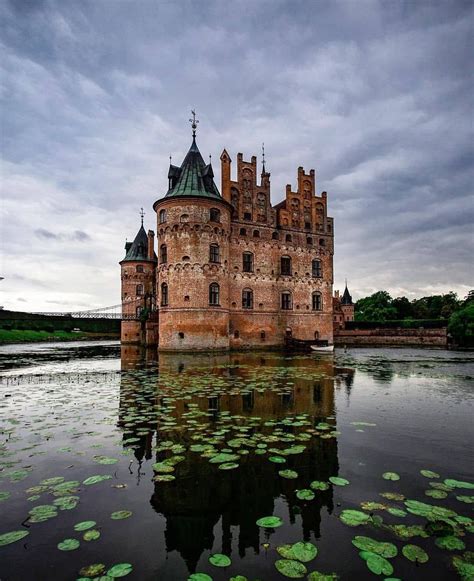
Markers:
(138, 249)
(346, 297)
(193, 178)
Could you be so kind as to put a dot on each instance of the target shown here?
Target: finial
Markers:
(142, 213)
(194, 122)
(210, 159)
(171, 157)
(346, 282)
(263, 157)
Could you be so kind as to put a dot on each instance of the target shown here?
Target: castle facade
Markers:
(229, 269)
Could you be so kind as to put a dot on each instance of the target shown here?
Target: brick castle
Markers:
(230, 270)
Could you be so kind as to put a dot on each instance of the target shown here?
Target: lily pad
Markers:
(464, 565)
(429, 474)
(93, 570)
(9, 538)
(379, 565)
(68, 545)
(219, 560)
(450, 543)
(305, 494)
(290, 568)
(459, 484)
(317, 576)
(386, 550)
(269, 522)
(120, 570)
(354, 518)
(390, 476)
(96, 479)
(199, 577)
(289, 474)
(337, 481)
(300, 551)
(121, 514)
(91, 535)
(84, 525)
(319, 485)
(228, 466)
(415, 553)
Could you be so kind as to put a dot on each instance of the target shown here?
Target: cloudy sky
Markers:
(376, 96)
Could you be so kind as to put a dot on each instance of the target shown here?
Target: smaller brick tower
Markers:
(347, 306)
(343, 309)
(138, 271)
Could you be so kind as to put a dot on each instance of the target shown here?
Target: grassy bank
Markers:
(29, 336)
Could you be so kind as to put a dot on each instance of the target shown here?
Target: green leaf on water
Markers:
(68, 545)
(66, 502)
(354, 518)
(91, 535)
(223, 457)
(319, 485)
(464, 565)
(384, 549)
(317, 576)
(93, 570)
(392, 495)
(291, 569)
(396, 511)
(429, 474)
(289, 474)
(305, 494)
(84, 525)
(300, 551)
(466, 499)
(408, 531)
(337, 481)
(459, 484)
(121, 514)
(269, 522)
(439, 494)
(450, 543)
(277, 459)
(390, 476)
(379, 565)
(415, 553)
(228, 466)
(219, 560)
(120, 570)
(199, 577)
(8, 538)
(96, 479)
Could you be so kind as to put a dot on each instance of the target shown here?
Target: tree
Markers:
(461, 326)
(377, 307)
(403, 307)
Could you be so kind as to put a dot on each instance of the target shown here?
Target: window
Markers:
(139, 267)
(307, 225)
(214, 294)
(243, 232)
(262, 335)
(184, 218)
(236, 334)
(286, 301)
(139, 290)
(181, 335)
(285, 265)
(247, 299)
(185, 259)
(322, 242)
(162, 216)
(316, 268)
(309, 241)
(138, 311)
(164, 294)
(215, 215)
(275, 236)
(288, 237)
(256, 234)
(247, 216)
(214, 253)
(247, 262)
(163, 253)
(317, 301)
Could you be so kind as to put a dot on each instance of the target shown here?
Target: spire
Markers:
(142, 214)
(346, 297)
(263, 158)
(194, 123)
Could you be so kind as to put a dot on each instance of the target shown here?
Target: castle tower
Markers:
(347, 306)
(138, 287)
(192, 286)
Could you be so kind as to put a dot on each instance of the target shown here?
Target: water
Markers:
(76, 410)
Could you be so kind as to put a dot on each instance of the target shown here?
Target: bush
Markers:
(461, 326)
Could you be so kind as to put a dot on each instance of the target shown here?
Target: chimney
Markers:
(151, 245)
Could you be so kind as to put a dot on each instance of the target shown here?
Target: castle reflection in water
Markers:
(202, 495)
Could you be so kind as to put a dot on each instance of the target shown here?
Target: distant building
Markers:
(232, 270)
(343, 309)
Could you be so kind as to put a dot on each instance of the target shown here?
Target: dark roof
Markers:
(346, 297)
(193, 178)
(138, 249)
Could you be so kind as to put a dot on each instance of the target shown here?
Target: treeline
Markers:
(458, 313)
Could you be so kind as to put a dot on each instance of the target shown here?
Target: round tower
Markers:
(138, 289)
(192, 282)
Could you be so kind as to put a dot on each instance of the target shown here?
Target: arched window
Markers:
(247, 262)
(247, 216)
(139, 290)
(139, 267)
(215, 215)
(286, 302)
(288, 237)
(184, 218)
(317, 301)
(164, 294)
(214, 294)
(162, 216)
(163, 254)
(275, 236)
(138, 311)
(214, 253)
(247, 298)
(285, 265)
(243, 232)
(316, 268)
(256, 234)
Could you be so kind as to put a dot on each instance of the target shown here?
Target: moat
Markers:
(160, 469)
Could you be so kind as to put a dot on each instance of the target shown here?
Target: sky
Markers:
(376, 96)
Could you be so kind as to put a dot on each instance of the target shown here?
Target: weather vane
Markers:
(142, 213)
(263, 157)
(194, 122)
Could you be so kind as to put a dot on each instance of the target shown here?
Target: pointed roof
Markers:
(193, 178)
(138, 249)
(346, 297)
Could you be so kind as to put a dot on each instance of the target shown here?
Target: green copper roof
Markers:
(138, 249)
(193, 178)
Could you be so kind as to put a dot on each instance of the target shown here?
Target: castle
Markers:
(232, 270)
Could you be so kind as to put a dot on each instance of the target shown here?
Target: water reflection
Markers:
(219, 399)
